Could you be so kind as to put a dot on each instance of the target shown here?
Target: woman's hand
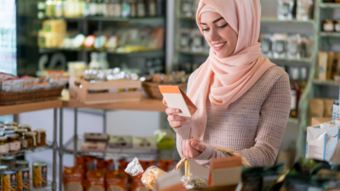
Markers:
(192, 148)
(175, 121)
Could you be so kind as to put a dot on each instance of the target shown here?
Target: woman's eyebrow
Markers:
(215, 21)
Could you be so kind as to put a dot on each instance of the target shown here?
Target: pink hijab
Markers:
(224, 80)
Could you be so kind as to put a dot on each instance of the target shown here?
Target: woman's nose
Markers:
(213, 35)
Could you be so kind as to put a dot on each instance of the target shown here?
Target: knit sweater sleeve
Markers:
(270, 130)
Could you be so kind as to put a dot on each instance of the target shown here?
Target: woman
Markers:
(243, 99)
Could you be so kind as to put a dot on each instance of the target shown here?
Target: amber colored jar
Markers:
(14, 142)
(29, 140)
(20, 132)
(4, 146)
(27, 127)
(40, 137)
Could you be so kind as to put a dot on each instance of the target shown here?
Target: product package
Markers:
(116, 181)
(266, 45)
(165, 138)
(87, 163)
(279, 45)
(95, 180)
(186, 8)
(322, 141)
(120, 141)
(328, 108)
(285, 9)
(105, 164)
(316, 108)
(304, 10)
(307, 44)
(73, 178)
(144, 143)
(294, 46)
(323, 60)
(149, 176)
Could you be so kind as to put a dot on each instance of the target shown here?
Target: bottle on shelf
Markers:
(59, 8)
(86, 8)
(295, 92)
(106, 8)
(49, 8)
(159, 7)
(133, 7)
(303, 79)
(151, 8)
(126, 10)
(141, 8)
(100, 8)
(93, 8)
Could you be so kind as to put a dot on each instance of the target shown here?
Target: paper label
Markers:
(14, 146)
(4, 148)
(328, 27)
(24, 144)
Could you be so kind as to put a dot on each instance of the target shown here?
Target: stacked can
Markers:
(336, 113)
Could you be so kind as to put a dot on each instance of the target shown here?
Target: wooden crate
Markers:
(79, 90)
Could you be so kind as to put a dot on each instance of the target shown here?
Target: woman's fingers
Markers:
(177, 124)
(197, 145)
(164, 102)
(172, 111)
(176, 118)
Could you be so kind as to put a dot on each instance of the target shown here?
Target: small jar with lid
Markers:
(29, 140)
(21, 132)
(328, 25)
(40, 137)
(27, 127)
(14, 142)
(9, 130)
(21, 164)
(9, 162)
(4, 146)
(11, 123)
(3, 168)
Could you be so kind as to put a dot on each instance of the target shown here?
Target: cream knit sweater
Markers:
(253, 125)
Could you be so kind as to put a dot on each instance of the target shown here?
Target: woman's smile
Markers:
(218, 45)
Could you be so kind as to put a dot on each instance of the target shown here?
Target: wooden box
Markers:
(104, 92)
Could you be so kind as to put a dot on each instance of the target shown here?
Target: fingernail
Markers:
(194, 144)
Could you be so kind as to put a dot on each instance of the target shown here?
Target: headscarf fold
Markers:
(224, 80)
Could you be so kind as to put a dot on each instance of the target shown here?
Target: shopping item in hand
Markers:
(148, 176)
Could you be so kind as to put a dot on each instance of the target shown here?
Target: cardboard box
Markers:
(320, 120)
(225, 171)
(120, 141)
(323, 58)
(144, 143)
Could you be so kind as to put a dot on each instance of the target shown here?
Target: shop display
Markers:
(294, 46)
(40, 137)
(144, 143)
(192, 40)
(120, 141)
(279, 45)
(266, 45)
(329, 66)
(8, 180)
(95, 180)
(285, 9)
(304, 10)
(165, 165)
(23, 179)
(39, 174)
(52, 34)
(73, 179)
(165, 138)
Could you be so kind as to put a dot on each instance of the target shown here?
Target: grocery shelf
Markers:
(293, 120)
(27, 107)
(144, 105)
(193, 53)
(139, 53)
(69, 149)
(330, 34)
(326, 83)
(23, 152)
(111, 19)
(305, 60)
(329, 5)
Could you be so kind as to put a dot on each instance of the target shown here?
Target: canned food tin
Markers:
(21, 164)
(23, 179)
(39, 174)
(8, 180)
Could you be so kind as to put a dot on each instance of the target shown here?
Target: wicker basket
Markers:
(152, 91)
(9, 98)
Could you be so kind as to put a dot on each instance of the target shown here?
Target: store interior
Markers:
(79, 84)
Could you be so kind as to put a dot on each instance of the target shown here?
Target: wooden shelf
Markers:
(329, 5)
(326, 83)
(27, 107)
(143, 105)
(330, 34)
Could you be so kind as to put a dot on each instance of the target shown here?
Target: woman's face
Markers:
(217, 32)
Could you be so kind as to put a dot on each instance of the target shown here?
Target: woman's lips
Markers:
(219, 46)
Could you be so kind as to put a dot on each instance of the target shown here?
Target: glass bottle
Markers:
(118, 8)
(303, 79)
(93, 8)
(86, 8)
(100, 7)
(95, 62)
(106, 7)
(152, 8)
(141, 8)
(126, 10)
(49, 11)
(295, 92)
(159, 7)
(58, 8)
(133, 7)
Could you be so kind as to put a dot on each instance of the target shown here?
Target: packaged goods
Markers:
(322, 140)
(4, 145)
(120, 141)
(307, 46)
(23, 179)
(105, 164)
(316, 108)
(3, 168)
(323, 60)
(304, 10)
(87, 163)
(285, 9)
(279, 45)
(328, 108)
(330, 63)
(144, 143)
(29, 140)
(294, 46)
(266, 45)
(95, 180)
(92, 147)
(149, 176)
(186, 8)
(21, 164)
(165, 165)
(336, 112)
(197, 43)
(8, 181)
(73, 179)
(328, 26)
(9, 162)
(39, 174)
(165, 138)
(40, 137)
(116, 181)
(137, 185)
(184, 39)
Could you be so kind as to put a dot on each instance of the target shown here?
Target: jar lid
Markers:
(21, 162)
(9, 172)
(7, 158)
(329, 21)
(10, 128)
(10, 123)
(30, 134)
(3, 138)
(21, 131)
(40, 130)
(22, 126)
(12, 136)
(3, 167)
(39, 164)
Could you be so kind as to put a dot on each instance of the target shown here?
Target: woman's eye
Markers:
(205, 29)
(222, 26)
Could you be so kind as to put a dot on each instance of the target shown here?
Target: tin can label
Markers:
(8, 182)
(23, 180)
(39, 176)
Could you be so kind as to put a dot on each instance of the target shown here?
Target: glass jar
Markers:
(29, 140)
(337, 26)
(40, 137)
(27, 127)
(21, 164)
(20, 132)
(4, 146)
(3, 168)
(12, 128)
(328, 26)
(12, 123)
(9, 162)
(14, 142)
(2, 130)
